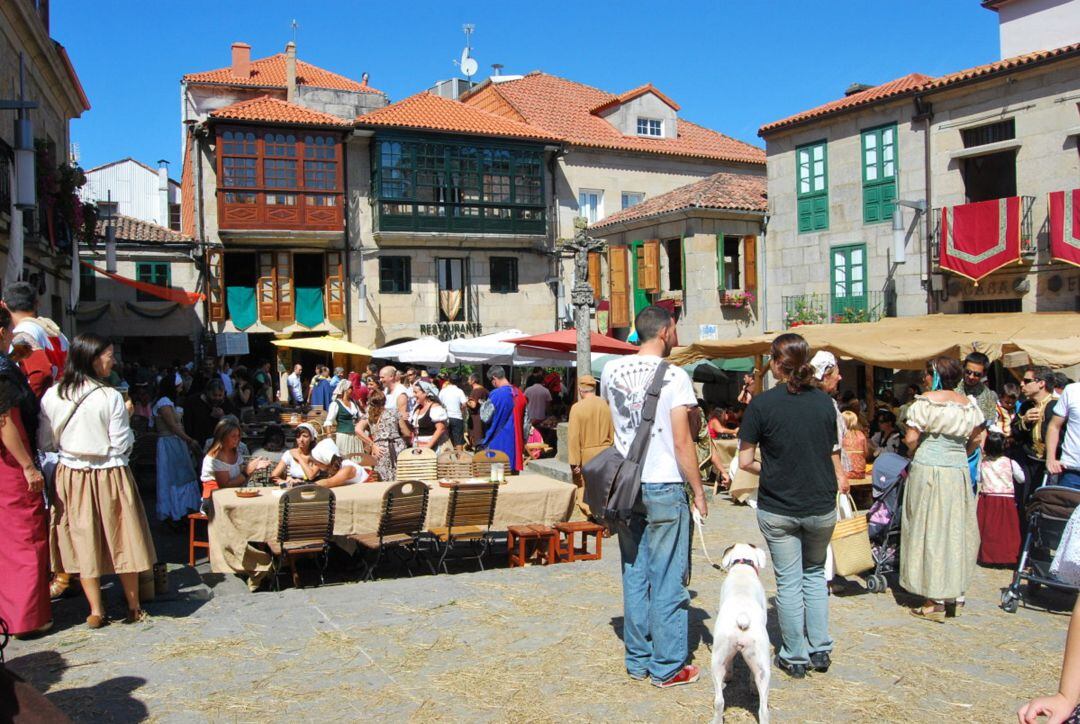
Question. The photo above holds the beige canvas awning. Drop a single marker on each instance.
(1044, 338)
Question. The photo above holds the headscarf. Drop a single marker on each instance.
(429, 389)
(310, 428)
(325, 452)
(822, 362)
(343, 389)
(554, 383)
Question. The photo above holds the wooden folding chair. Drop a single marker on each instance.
(454, 465)
(401, 522)
(484, 459)
(305, 525)
(469, 515)
(417, 463)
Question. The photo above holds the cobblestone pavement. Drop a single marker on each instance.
(534, 644)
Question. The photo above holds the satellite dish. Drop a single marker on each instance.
(469, 66)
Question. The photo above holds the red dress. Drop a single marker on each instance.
(24, 545)
(520, 403)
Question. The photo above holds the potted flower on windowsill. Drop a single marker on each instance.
(803, 313)
(737, 300)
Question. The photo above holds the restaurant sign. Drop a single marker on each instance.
(446, 331)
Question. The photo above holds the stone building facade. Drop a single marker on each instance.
(51, 82)
(837, 173)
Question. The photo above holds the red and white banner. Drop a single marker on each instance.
(980, 238)
(184, 299)
(1065, 226)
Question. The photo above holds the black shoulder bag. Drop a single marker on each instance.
(613, 482)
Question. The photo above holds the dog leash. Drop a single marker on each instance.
(700, 523)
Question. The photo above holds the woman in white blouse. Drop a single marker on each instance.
(296, 465)
(428, 419)
(102, 526)
(339, 470)
(225, 465)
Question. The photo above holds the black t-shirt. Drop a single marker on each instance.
(796, 435)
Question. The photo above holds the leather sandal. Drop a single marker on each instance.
(930, 612)
(136, 616)
(95, 621)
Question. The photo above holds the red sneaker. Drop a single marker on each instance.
(687, 675)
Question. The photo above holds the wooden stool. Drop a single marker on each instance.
(523, 541)
(569, 552)
(194, 543)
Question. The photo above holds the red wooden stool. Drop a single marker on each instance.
(569, 552)
(193, 542)
(525, 541)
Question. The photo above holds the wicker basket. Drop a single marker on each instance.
(851, 546)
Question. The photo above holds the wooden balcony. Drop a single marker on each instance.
(302, 214)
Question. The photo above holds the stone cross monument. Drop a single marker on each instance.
(582, 295)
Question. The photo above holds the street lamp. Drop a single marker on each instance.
(899, 231)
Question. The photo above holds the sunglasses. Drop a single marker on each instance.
(1027, 380)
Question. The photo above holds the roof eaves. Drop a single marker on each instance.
(808, 117)
(680, 212)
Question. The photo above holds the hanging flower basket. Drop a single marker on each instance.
(737, 300)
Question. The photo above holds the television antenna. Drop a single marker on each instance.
(294, 26)
(468, 65)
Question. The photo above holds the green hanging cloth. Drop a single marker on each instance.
(241, 301)
(309, 306)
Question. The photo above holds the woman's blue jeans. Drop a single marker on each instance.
(654, 545)
(798, 546)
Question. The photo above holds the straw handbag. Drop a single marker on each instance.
(851, 552)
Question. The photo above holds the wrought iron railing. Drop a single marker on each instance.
(802, 309)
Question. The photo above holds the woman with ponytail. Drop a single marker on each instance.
(939, 524)
(794, 426)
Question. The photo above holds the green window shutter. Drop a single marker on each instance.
(720, 277)
(879, 170)
(812, 186)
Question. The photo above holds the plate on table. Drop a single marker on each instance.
(248, 493)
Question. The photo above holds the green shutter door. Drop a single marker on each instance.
(848, 265)
(879, 174)
(720, 279)
(641, 297)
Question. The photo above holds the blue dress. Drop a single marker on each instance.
(501, 434)
(178, 490)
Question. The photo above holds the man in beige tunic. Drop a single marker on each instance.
(591, 431)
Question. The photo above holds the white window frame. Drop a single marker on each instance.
(584, 206)
(639, 195)
(648, 125)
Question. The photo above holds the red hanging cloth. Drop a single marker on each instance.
(1065, 226)
(184, 299)
(980, 238)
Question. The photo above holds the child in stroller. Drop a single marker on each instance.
(890, 472)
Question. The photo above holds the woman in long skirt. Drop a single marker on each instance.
(24, 535)
(178, 490)
(102, 527)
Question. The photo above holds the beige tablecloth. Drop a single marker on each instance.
(527, 498)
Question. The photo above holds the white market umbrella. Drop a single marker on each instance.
(413, 349)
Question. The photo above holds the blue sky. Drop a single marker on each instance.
(732, 66)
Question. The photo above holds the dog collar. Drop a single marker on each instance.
(744, 561)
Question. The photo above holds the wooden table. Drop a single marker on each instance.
(527, 498)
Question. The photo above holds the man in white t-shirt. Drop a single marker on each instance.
(539, 397)
(296, 385)
(656, 593)
(397, 396)
(1066, 414)
(453, 399)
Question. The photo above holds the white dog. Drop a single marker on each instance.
(740, 626)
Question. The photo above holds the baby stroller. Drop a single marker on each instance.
(890, 472)
(1048, 511)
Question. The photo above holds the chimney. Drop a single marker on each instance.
(241, 60)
(290, 72)
(856, 88)
(163, 191)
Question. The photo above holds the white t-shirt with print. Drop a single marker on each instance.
(624, 384)
(1068, 406)
(453, 399)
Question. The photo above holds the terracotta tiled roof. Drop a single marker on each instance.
(1005, 65)
(910, 83)
(270, 73)
(187, 189)
(129, 229)
(635, 93)
(565, 108)
(274, 110)
(740, 192)
(427, 111)
(917, 82)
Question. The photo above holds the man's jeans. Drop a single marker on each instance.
(654, 545)
(798, 547)
(1069, 478)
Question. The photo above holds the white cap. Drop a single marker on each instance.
(325, 452)
(822, 362)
